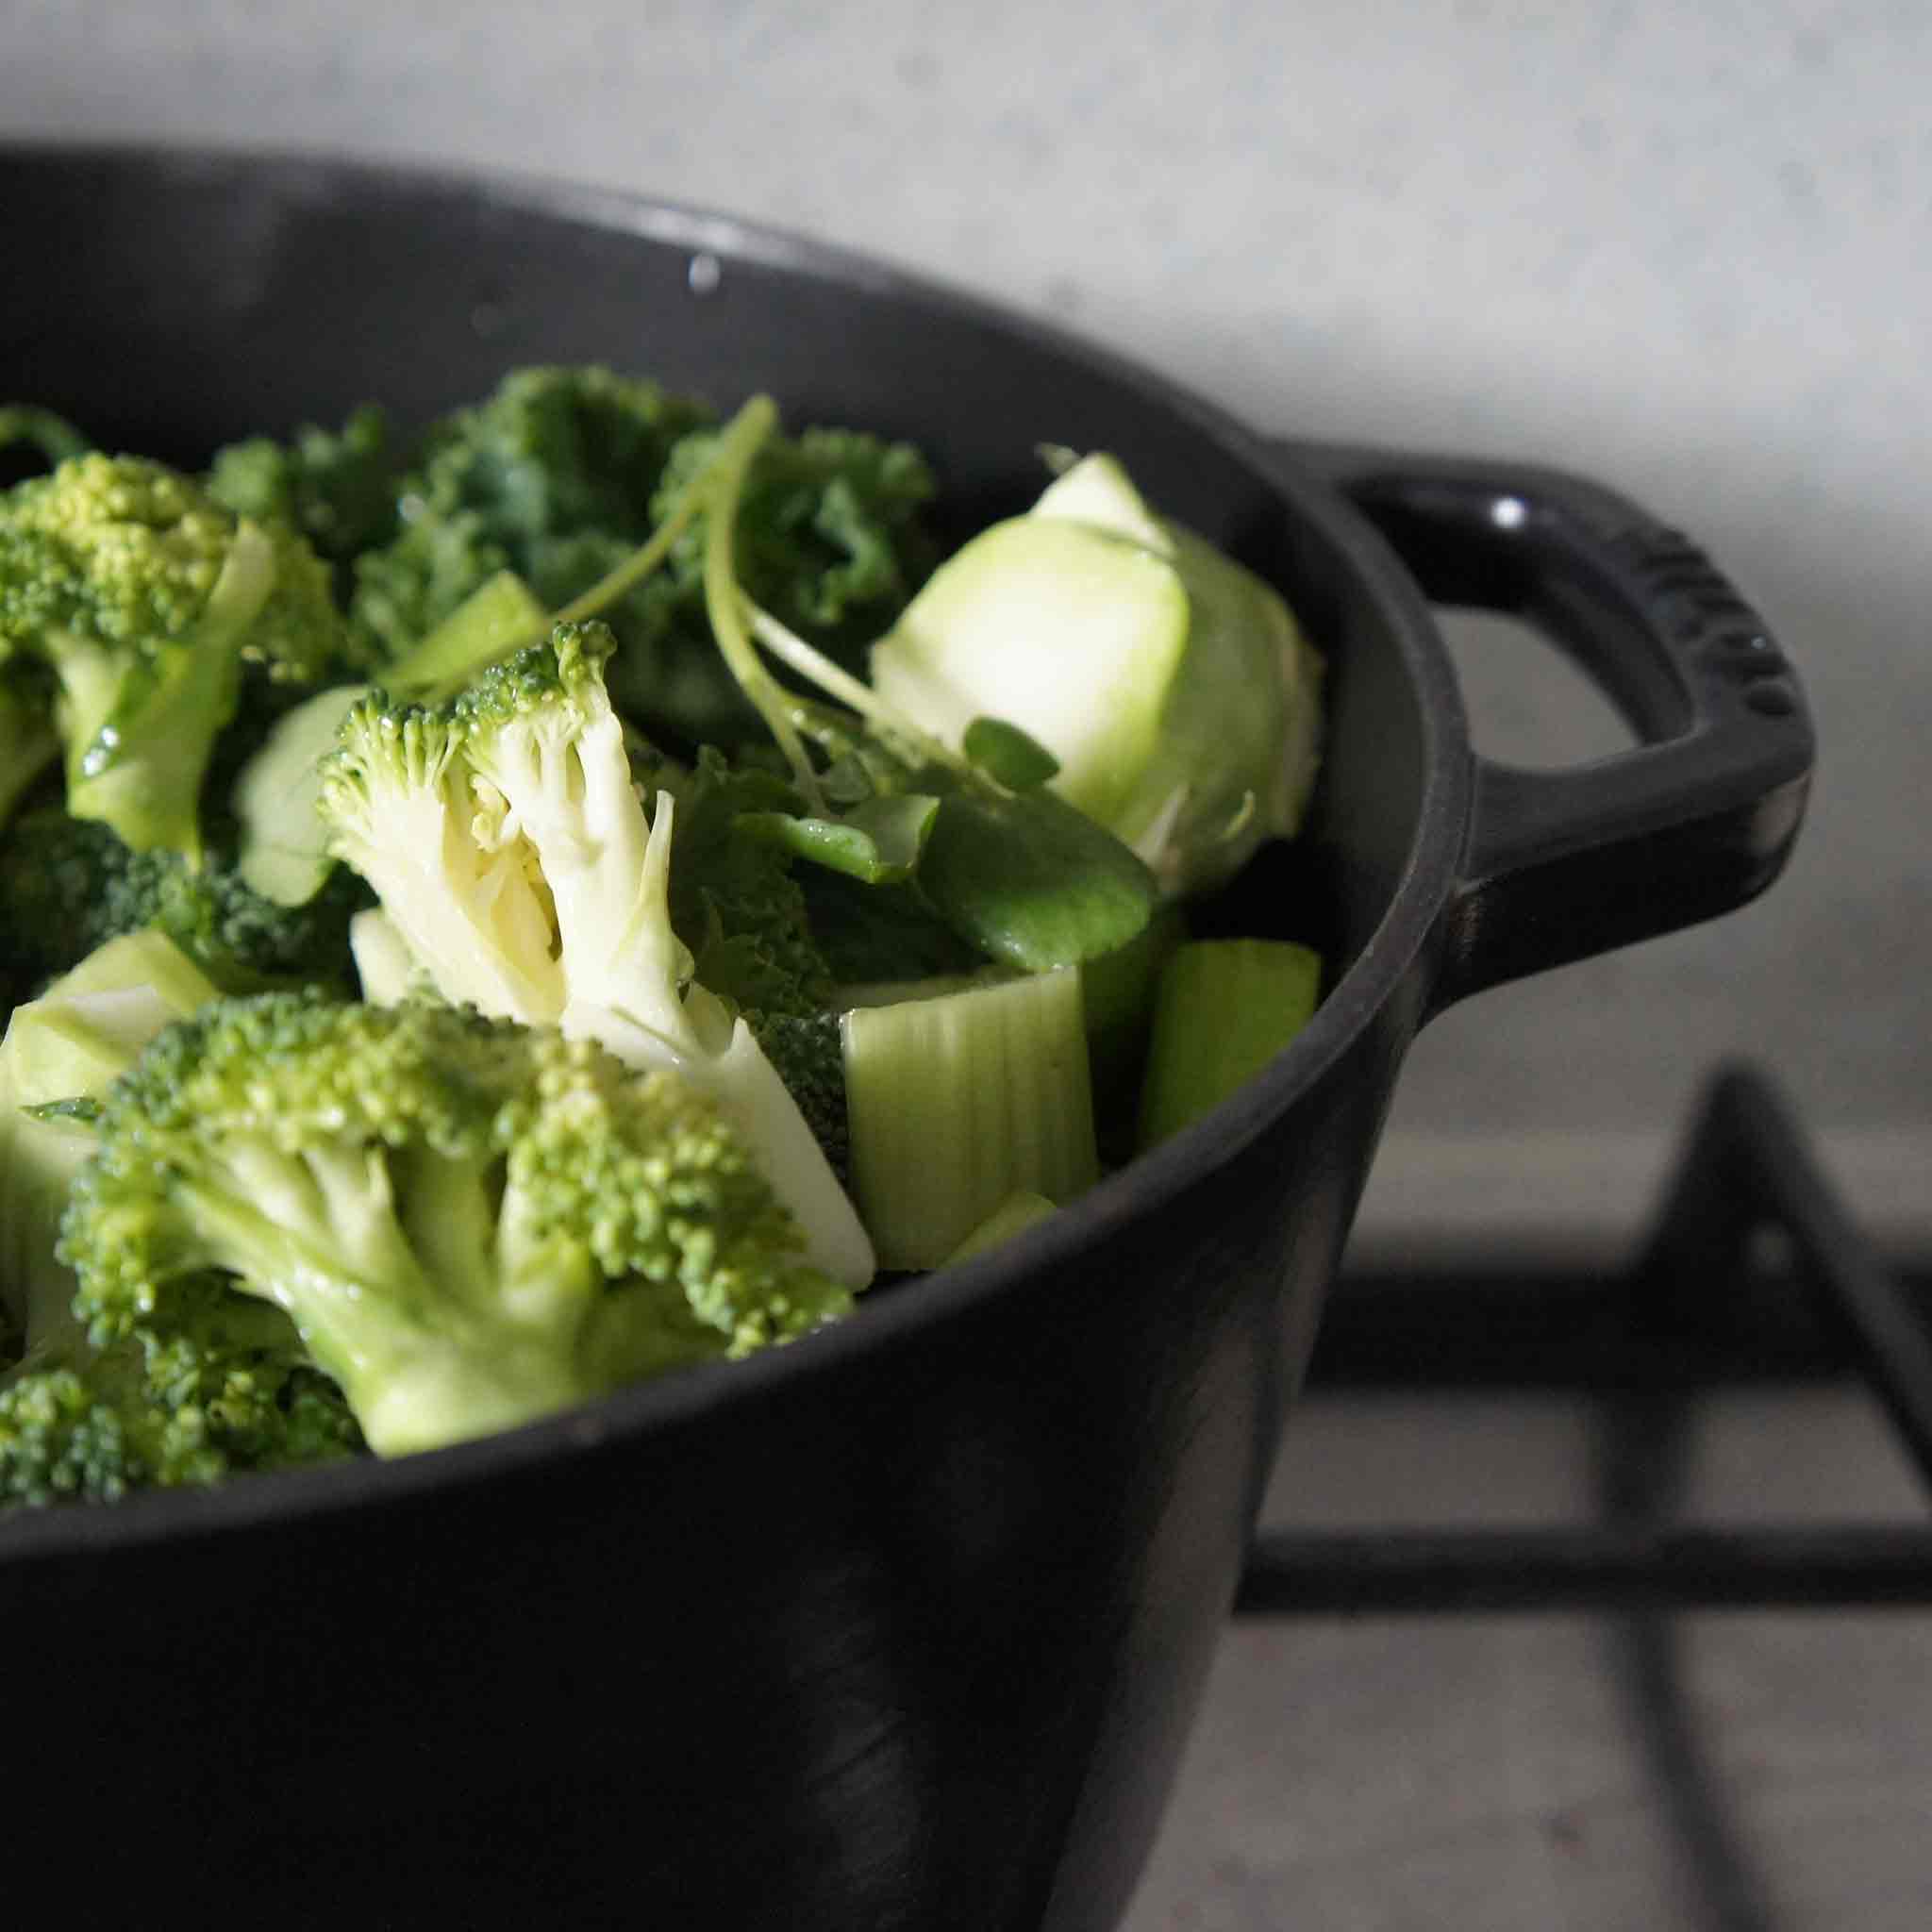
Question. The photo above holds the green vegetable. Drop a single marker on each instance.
(562, 474)
(507, 840)
(879, 935)
(825, 536)
(393, 713)
(220, 1387)
(1014, 1215)
(960, 1101)
(1225, 1007)
(276, 796)
(386, 970)
(129, 603)
(738, 909)
(1119, 991)
(52, 436)
(28, 745)
(224, 1390)
(72, 1043)
(336, 487)
(68, 885)
(472, 1222)
(1173, 687)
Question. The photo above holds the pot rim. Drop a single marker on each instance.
(698, 1395)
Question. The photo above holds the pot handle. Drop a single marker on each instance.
(1693, 821)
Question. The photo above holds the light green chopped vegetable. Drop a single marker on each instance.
(960, 1101)
(1014, 1215)
(1173, 687)
(1225, 1007)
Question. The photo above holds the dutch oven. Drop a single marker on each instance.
(903, 1626)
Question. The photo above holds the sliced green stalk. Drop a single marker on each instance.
(1014, 1215)
(1119, 989)
(501, 615)
(893, 993)
(1225, 1007)
(724, 602)
(958, 1103)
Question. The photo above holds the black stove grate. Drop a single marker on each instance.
(1755, 1271)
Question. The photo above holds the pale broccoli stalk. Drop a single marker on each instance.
(472, 1224)
(130, 602)
(505, 839)
(1174, 688)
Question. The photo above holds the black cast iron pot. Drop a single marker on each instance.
(902, 1626)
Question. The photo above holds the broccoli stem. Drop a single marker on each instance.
(136, 751)
(395, 1287)
(54, 436)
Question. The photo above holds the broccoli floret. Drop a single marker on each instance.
(69, 885)
(505, 839)
(222, 1385)
(130, 602)
(336, 486)
(807, 1053)
(472, 1222)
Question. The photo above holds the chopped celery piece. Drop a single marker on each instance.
(1015, 1214)
(1224, 1008)
(891, 992)
(958, 1102)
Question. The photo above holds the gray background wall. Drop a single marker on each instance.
(1686, 247)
